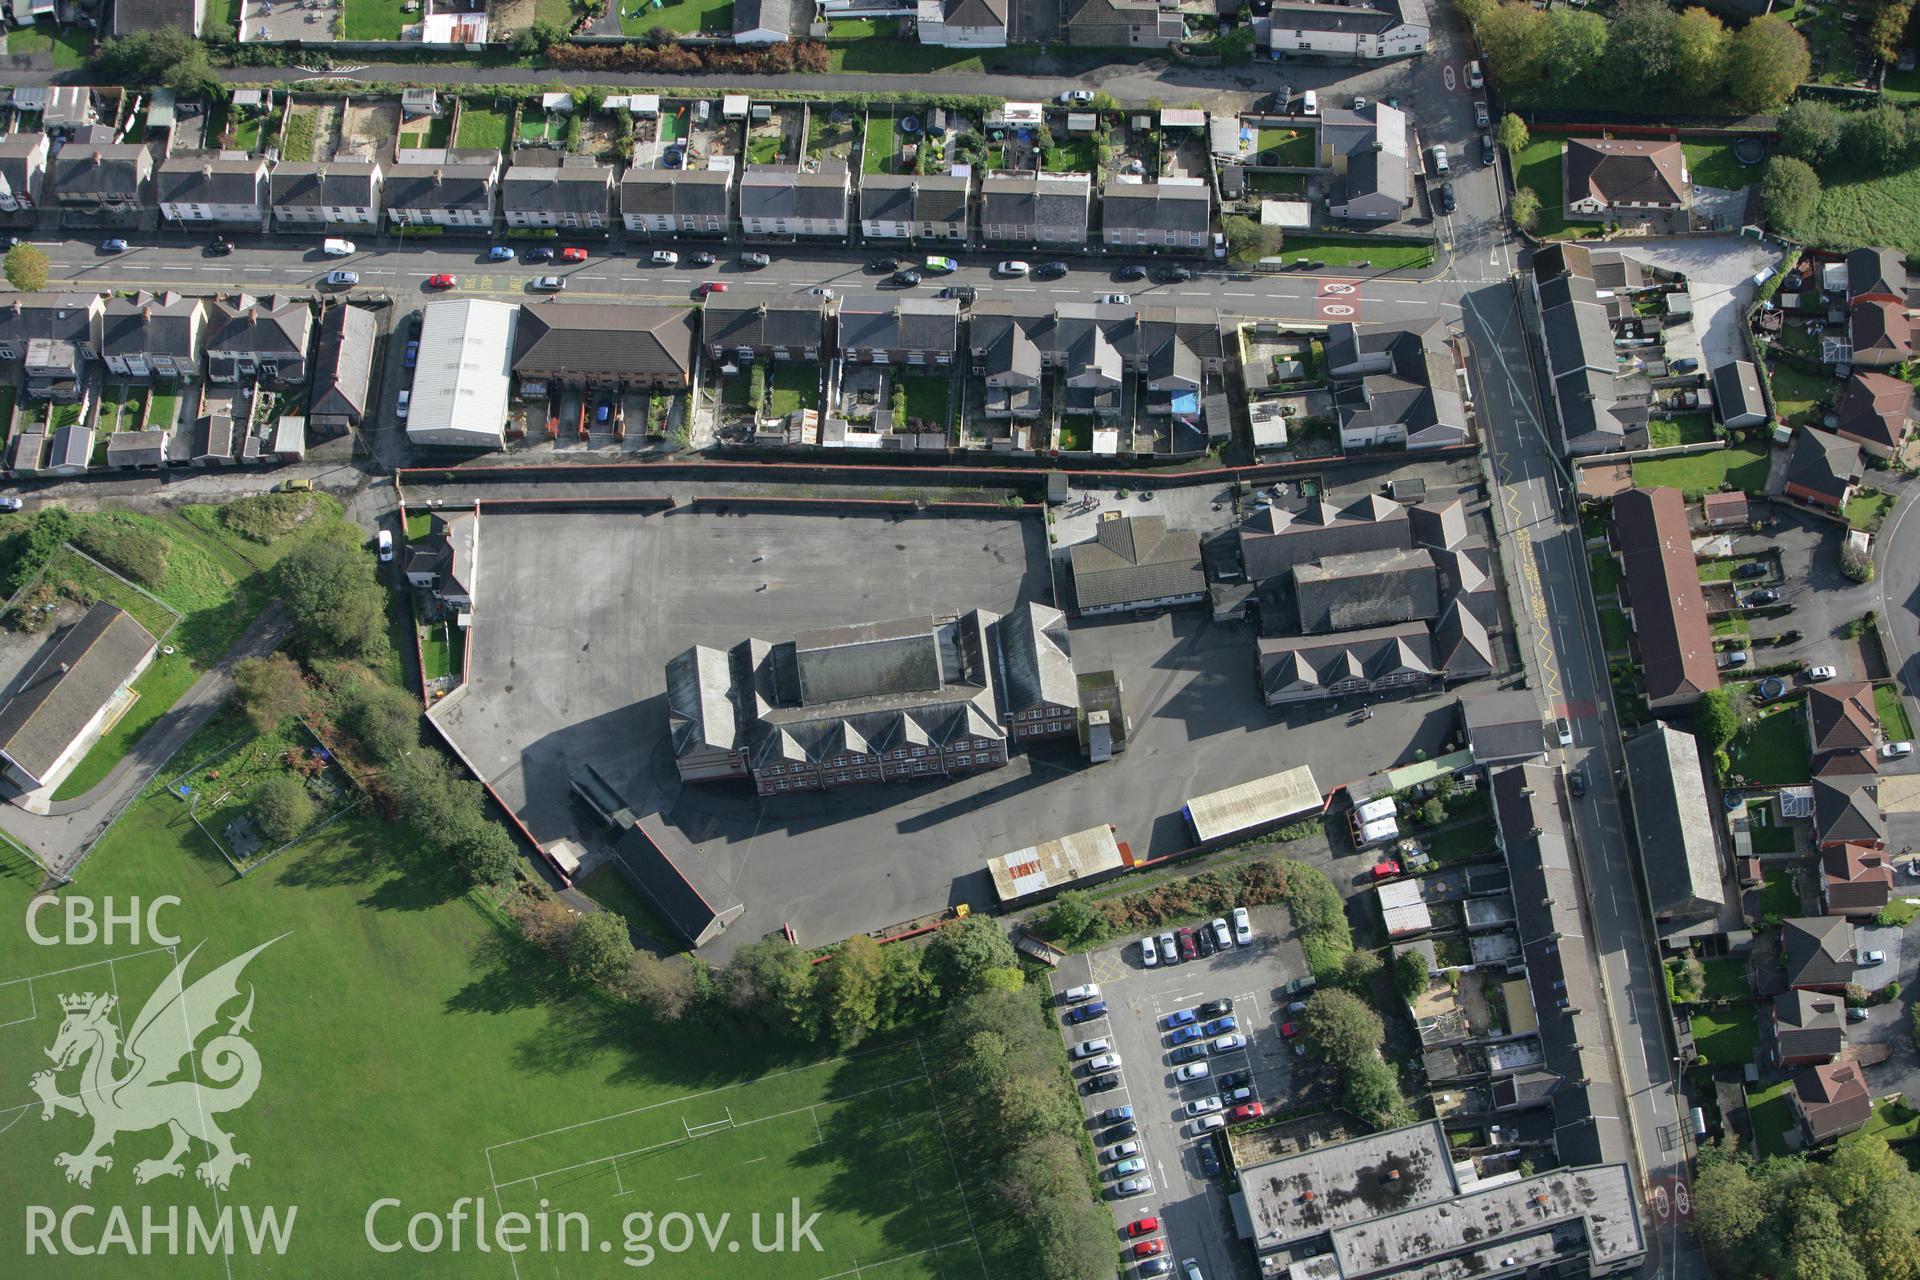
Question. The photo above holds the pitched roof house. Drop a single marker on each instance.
(1600, 405)
(962, 24)
(1737, 396)
(597, 343)
(1035, 208)
(1607, 176)
(1877, 275)
(1678, 847)
(878, 328)
(1313, 668)
(1872, 410)
(1664, 599)
(1173, 213)
(342, 371)
(686, 201)
(1831, 1100)
(578, 192)
(156, 335)
(1808, 1027)
(1841, 717)
(1819, 952)
(786, 200)
(1855, 880)
(259, 337)
(1880, 333)
(1274, 539)
(762, 21)
(338, 191)
(1371, 153)
(907, 206)
(786, 326)
(1396, 385)
(206, 188)
(23, 170)
(67, 697)
(1120, 24)
(1823, 469)
(1136, 563)
(457, 191)
(109, 177)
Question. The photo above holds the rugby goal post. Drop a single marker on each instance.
(711, 1126)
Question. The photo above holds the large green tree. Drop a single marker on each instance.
(1714, 720)
(770, 984)
(337, 605)
(383, 718)
(269, 690)
(27, 266)
(1640, 45)
(1810, 130)
(1409, 973)
(852, 983)
(1875, 139)
(1789, 193)
(1576, 47)
(964, 950)
(599, 949)
(1340, 1028)
(1514, 39)
(281, 808)
(1072, 917)
(664, 987)
(1766, 62)
(1514, 135)
(1700, 43)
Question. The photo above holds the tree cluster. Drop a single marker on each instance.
(773, 59)
(1854, 1216)
(1569, 54)
(1076, 917)
(338, 608)
(1342, 1031)
(269, 690)
(168, 56)
(1819, 139)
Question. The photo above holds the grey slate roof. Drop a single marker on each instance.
(61, 317)
(274, 326)
(584, 189)
(975, 13)
(876, 322)
(1273, 540)
(336, 184)
(1819, 951)
(136, 448)
(452, 185)
(1736, 390)
(683, 886)
(1134, 559)
(207, 179)
(1847, 809)
(345, 363)
(1322, 661)
(681, 193)
(83, 169)
(1808, 1024)
(762, 321)
(1502, 726)
(1823, 462)
(1156, 206)
(590, 339)
(1366, 589)
(1039, 670)
(787, 191)
(907, 197)
(152, 324)
(67, 687)
(1028, 200)
(700, 707)
(770, 15)
(130, 16)
(1676, 825)
(1375, 20)
(1876, 270)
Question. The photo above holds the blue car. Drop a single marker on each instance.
(1187, 1053)
(1220, 1026)
(1183, 1034)
(1088, 1012)
(413, 352)
(500, 253)
(1114, 1115)
(1180, 1018)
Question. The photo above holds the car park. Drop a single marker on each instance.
(1074, 995)
(1222, 936)
(500, 253)
(1191, 1072)
(1090, 1048)
(1203, 1106)
(1214, 1008)
(1149, 953)
(1088, 1012)
(1133, 1186)
(547, 284)
(1228, 1044)
(1101, 1084)
(1128, 1167)
(572, 254)
(1242, 927)
(1189, 1052)
(1205, 1125)
(1181, 1018)
(1105, 1062)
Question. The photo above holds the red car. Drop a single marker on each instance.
(1288, 1030)
(1144, 1227)
(573, 255)
(442, 282)
(1247, 1111)
(1189, 949)
(1381, 870)
(711, 286)
(1147, 1248)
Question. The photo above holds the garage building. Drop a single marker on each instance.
(465, 369)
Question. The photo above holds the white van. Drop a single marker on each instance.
(336, 248)
(1474, 79)
(1309, 103)
(1437, 160)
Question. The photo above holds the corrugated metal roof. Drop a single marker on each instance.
(1253, 804)
(460, 384)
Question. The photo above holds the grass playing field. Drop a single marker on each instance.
(411, 1050)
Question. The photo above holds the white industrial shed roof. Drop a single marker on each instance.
(465, 367)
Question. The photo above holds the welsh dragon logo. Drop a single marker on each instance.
(147, 1094)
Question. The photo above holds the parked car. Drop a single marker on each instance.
(548, 284)
(1228, 1044)
(1480, 117)
(1133, 1186)
(665, 258)
(1130, 1166)
(1116, 299)
(1114, 1115)
(1242, 927)
(1764, 596)
(1751, 569)
(1012, 267)
(1168, 951)
(1132, 271)
(1088, 1012)
(1191, 1072)
(1896, 750)
(1202, 936)
(939, 265)
(1181, 1018)
(1125, 1129)
(1189, 949)
(1817, 674)
(906, 279)
(1089, 1048)
(1385, 868)
(1486, 148)
(1105, 1062)
(1447, 202)
(708, 287)
(573, 254)
(1205, 1125)
(1685, 364)
(1577, 782)
(1149, 953)
(1234, 1081)
(442, 281)
(1076, 97)
(755, 260)
(1563, 730)
(1148, 1248)
(1050, 271)
(1220, 1026)
(410, 356)
(1209, 1167)
(500, 253)
(1074, 995)
(1288, 1030)
(11, 504)
(1857, 1015)
(332, 248)
(1173, 275)
(1733, 658)
(1187, 1052)
(341, 279)
(219, 247)
(1247, 1111)
(1186, 1034)
(1101, 1084)
(1222, 936)
(1155, 1267)
(1474, 79)
(1214, 1008)
(539, 253)
(1203, 1106)
(404, 403)
(1142, 1227)
(884, 264)
(701, 260)
(1870, 958)
(384, 541)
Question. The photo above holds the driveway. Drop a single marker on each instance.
(1719, 271)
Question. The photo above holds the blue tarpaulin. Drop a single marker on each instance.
(1186, 402)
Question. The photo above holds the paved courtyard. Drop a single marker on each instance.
(567, 669)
